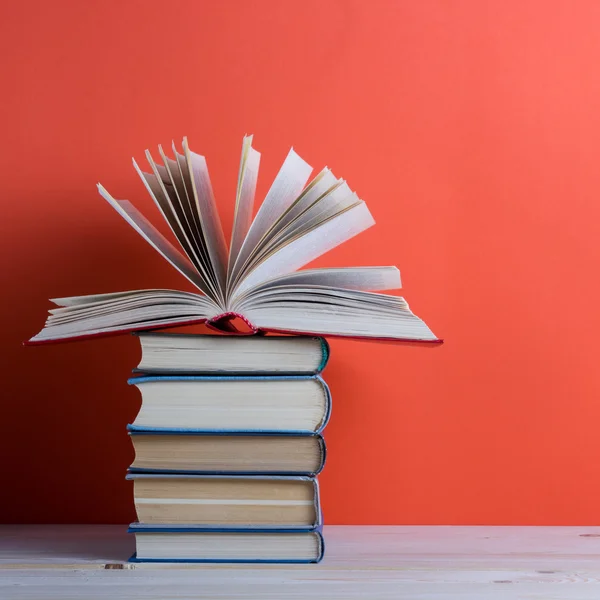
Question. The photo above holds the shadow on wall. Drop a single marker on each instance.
(66, 406)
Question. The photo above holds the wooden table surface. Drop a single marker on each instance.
(414, 563)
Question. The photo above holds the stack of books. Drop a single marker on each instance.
(228, 445)
(228, 440)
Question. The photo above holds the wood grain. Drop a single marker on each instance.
(417, 563)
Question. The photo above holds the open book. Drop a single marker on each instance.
(257, 279)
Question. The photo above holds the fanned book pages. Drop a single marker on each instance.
(257, 280)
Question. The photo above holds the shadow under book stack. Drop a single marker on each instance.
(228, 447)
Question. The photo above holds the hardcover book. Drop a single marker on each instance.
(227, 454)
(176, 353)
(260, 404)
(256, 281)
(222, 501)
(168, 545)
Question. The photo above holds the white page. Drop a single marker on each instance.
(209, 216)
(171, 169)
(332, 199)
(128, 319)
(178, 197)
(339, 198)
(244, 201)
(99, 311)
(321, 294)
(172, 209)
(325, 319)
(93, 303)
(286, 187)
(162, 172)
(188, 220)
(324, 183)
(73, 301)
(188, 198)
(174, 218)
(159, 195)
(310, 246)
(367, 279)
(156, 239)
(95, 313)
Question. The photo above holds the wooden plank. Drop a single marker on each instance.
(420, 563)
(54, 585)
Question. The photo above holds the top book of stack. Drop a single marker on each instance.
(184, 354)
(255, 282)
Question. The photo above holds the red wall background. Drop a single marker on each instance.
(471, 128)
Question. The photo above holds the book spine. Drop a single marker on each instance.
(325, 353)
(317, 504)
(319, 534)
(323, 446)
(328, 404)
(223, 324)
